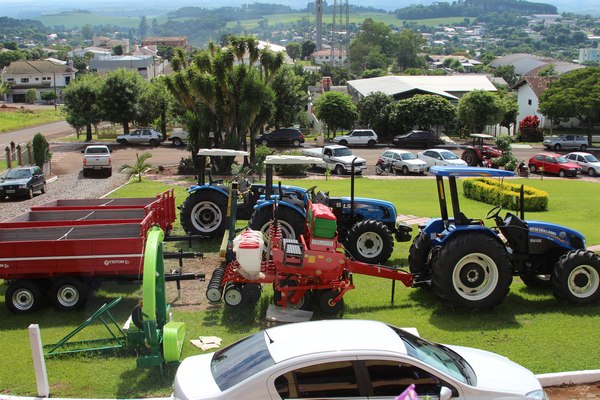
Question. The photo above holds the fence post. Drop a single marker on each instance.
(29, 155)
(12, 150)
(19, 156)
(39, 364)
(8, 155)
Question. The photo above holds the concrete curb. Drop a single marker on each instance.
(551, 379)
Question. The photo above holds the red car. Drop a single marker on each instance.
(553, 164)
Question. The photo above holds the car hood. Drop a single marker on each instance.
(496, 372)
(570, 165)
(194, 379)
(348, 159)
(457, 163)
(416, 161)
(6, 182)
(338, 138)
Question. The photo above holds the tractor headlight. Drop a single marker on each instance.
(537, 395)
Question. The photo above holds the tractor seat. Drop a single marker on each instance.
(516, 232)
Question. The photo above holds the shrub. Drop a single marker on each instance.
(529, 129)
(186, 167)
(504, 194)
(261, 154)
(41, 150)
(31, 96)
(292, 169)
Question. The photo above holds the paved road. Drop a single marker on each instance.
(50, 131)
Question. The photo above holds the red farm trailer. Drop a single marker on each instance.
(62, 248)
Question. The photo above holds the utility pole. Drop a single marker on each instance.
(319, 23)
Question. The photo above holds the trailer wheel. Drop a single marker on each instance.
(23, 297)
(576, 277)
(370, 241)
(203, 213)
(68, 294)
(233, 295)
(290, 221)
(305, 302)
(326, 302)
(536, 281)
(418, 256)
(472, 271)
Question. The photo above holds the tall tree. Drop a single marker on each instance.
(291, 97)
(120, 95)
(479, 108)
(574, 94)
(407, 45)
(294, 50)
(427, 110)
(372, 112)
(337, 111)
(143, 28)
(81, 99)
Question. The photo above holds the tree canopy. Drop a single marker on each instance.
(337, 111)
(479, 108)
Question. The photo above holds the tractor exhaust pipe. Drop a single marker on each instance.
(352, 190)
(522, 202)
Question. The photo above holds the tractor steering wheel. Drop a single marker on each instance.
(493, 213)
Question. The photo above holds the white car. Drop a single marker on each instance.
(588, 162)
(351, 359)
(441, 157)
(404, 161)
(357, 137)
(563, 142)
(141, 136)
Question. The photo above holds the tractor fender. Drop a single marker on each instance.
(195, 188)
(281, 203)
(454, 230)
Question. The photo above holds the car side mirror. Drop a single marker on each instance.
(445, 393)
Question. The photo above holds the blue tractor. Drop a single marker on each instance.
(471, 266)
(366, 227)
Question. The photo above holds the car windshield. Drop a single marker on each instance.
(438, 356)
(448, 155)
(18, 174)
(561, 160)
(342, 152)
(408, 156)
(590, 158)
(239, 361)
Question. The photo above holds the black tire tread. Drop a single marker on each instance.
(261, 216)
(370, 225)
(563, 268)
(185, 215)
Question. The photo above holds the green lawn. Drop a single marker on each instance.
(71, 20)
(530, 326)
(13, 120)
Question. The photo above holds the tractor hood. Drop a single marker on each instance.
(566, 236)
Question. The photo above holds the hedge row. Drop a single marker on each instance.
(504, 194)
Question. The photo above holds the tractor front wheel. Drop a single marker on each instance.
(472, 271)
(576, 277)
(290, 221)
(370, 241)
(203, 213)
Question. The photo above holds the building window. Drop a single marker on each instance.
(24, 80)
(529, 102)
(10, 79)
(37, 79)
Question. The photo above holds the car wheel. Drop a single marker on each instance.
(576, 277)
(339, 170)
(153, 142)
(557, 147)
(343, 142)
(30, 193)
(583, 147)
(44, 188)
(532, 168)
(296, 143)
(591, 172)
(561, 173)
(404, 170)
(177, 142)
(123, 142)
(109, 173)
(371, 143)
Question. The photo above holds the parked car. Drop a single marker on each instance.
(142, 136)
(97, 158)
(178, 138)
(565, 142)
(357, 137)
(350, 359)
(22, 182)
(337, 159)
(586, 161)
(404, 161)
(553, 164)
(417, 139)
(440, 157)
(281, 137)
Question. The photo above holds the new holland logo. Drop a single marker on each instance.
(112, 262)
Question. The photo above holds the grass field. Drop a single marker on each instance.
(530, 327)
(71, 20)
(12, 120)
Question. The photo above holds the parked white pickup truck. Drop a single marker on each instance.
(338, 158)
(97, 158)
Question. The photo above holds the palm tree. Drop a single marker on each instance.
(139, 167)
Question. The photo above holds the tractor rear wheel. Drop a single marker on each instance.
(290, 221)
(203, 213)
(470, 157)
(68, 294)
(472, 271)
(370, 241)
(23, 296)
(576, 277)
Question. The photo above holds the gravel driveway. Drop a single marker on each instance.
(68, 186)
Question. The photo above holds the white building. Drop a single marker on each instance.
(147, 67)
(587, 56)
(41, 75)
(337, 57)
